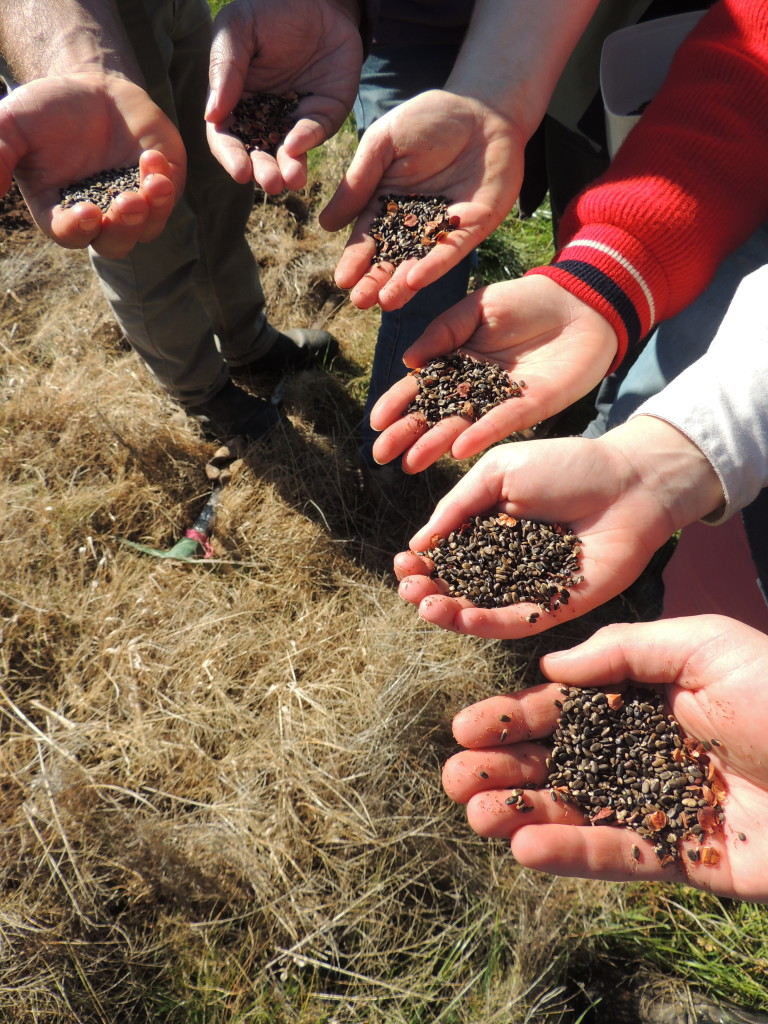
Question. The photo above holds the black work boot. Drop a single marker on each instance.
(232, 412)
(294, 349)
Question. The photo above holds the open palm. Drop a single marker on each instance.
(712, 670)
(589, 485)
(438, 143)
(535, 330)
(278, 46)
(56, 131)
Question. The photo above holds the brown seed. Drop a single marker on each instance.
(408, 226)
(709, 855)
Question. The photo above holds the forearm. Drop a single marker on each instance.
(514, 52)
(45, 38)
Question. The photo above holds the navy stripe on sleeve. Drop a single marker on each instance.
(609, 290)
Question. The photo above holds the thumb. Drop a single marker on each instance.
(647, 652)
(228, 65)
(12, 149)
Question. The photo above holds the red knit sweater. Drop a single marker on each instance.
(687, 187)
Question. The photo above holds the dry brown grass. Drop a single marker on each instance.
(220, 783)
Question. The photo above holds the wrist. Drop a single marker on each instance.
(667, 464)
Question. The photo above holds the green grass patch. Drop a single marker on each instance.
(517, 245)
(718, 946)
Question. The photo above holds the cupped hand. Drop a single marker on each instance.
(712, 670)
(56, 131)
(535, 330)
(589, 485)
(311, 47)
(438, 143)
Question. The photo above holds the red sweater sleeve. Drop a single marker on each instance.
(687, 187)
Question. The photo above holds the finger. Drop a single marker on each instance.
(612, 854)
(354, 261)
(409, 563)
(652, 652)
(317, 119)
(266, 172)
(366, 292)
(489, 814)
(460, 616)
(293, 169)
(230, 152)
(541, 398)
(447, 332)
(479, 490)
(398, 438)
(393, 403)
(229, 58)
(498, 425)
(75, 227)
(433, 444)
(443, 256)
(159, 192)
(354, 195)
(395, 292)
(306, 134)
(525, 715)
(9, 157)
(475, 771)
(122, 225)
(416, 588)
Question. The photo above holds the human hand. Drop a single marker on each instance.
(311, 47)
(623, 495)
(712, 671)
(56, 131)
(438, 143)
(536, 331)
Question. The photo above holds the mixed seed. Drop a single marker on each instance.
(409, 226)
(500, 561)
(622, 760)
(100, 188)
(262, 121)
(457, 385)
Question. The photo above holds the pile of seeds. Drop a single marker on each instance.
(624, 761)
(409, 226)
(262, 121)
(501, 561)
(457, 385)
(101, 188)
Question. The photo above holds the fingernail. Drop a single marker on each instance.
(161, 200)
(556, 655)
